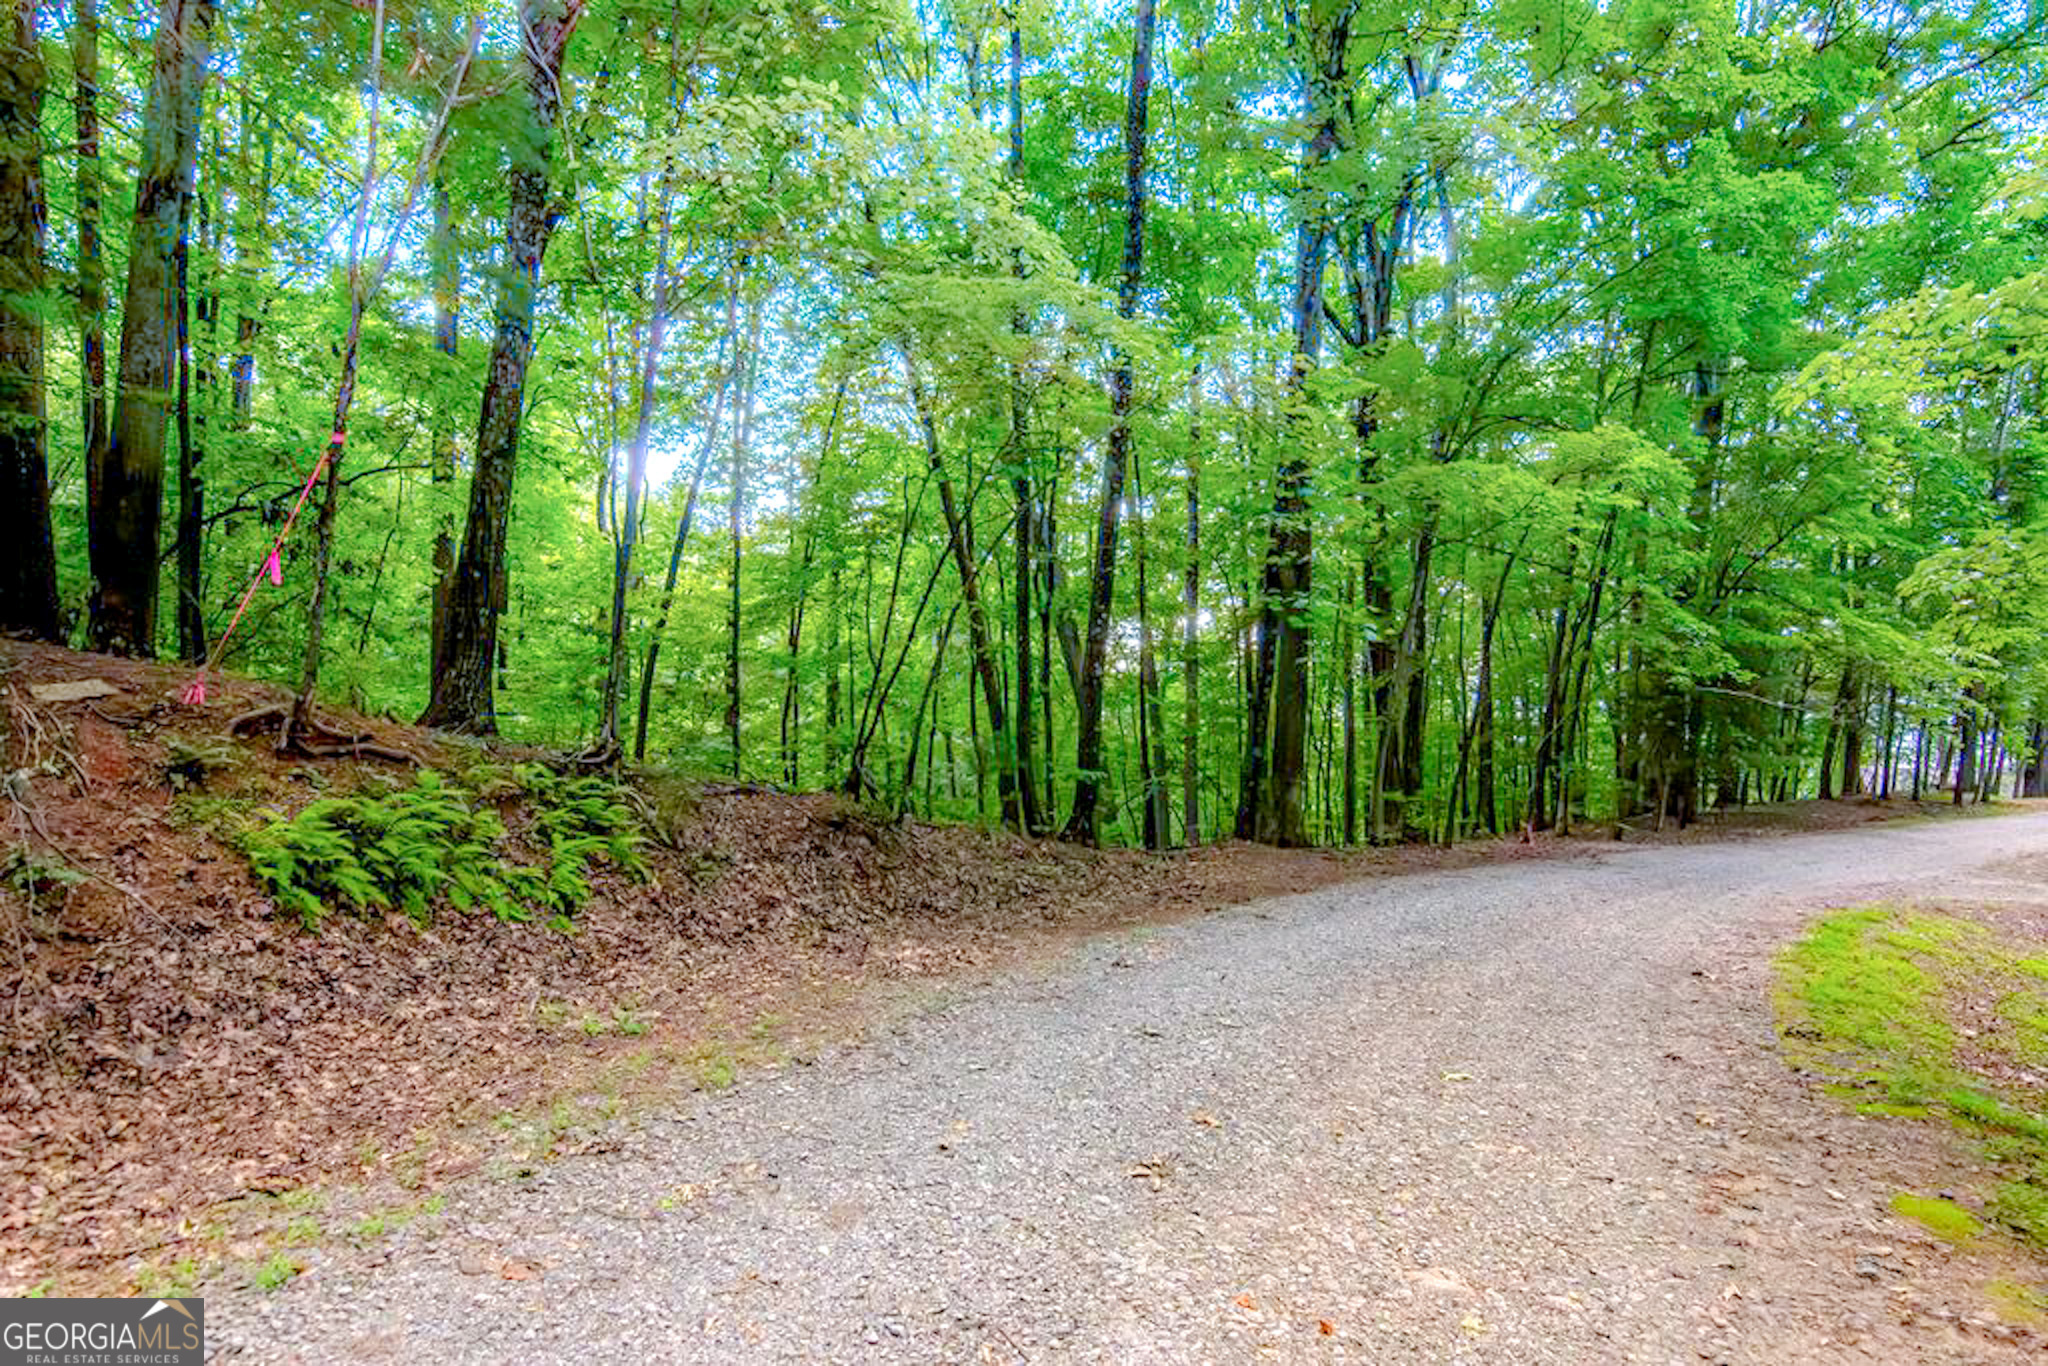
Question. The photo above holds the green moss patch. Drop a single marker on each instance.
(1915, 1015)
(1943, 1218)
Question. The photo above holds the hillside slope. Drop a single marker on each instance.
(173, 1043)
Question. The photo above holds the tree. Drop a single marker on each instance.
(28, 583)
(463, 697)
(126, 510)
(1082, 820)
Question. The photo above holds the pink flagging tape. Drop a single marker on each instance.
(271, 568)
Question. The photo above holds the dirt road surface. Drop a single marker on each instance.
(1528, 1113)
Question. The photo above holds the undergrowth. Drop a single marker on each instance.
(1919, 1015)
(438, 841)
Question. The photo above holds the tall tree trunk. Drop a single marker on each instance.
(1852, 735)
(92, 266)
(627, 534)
(191, 488)
(28, 567)
(1891, 742)
(446, 263)
(1191, 638)
(1025, 532)
(300, 724)
(1284, 622)
(1400, 736)
(742, 437)
(1151, 724)
(832, 677)
(1083, 821)
(252, 257)
(300, 729)
(125, 513)
(727, 373)
(463, 695)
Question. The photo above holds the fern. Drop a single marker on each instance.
(432, 843)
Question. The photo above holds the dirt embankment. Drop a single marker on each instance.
(173, 1044)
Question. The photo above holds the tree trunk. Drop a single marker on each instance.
(1191, 655)
(926, 703)
(742, 436)
(627, 533)
(1284, 623)
(28, 569)
(446, 264)
(463, 693)
(191, 487)
(1966, 749)
(1151, 723)
(125, 513)
(1082, 821)
(1401, 734)
(1025, 532)
(1891, 741)
(92, 266)
(959, 540)
(726, 374)
(832, 683)
(252, 255)
(1852, 735)
(2034, 772)
(1919, 761)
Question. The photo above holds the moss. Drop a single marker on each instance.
(1943, 1218)
(274, 1272)
(2022, 1206)
(1854, 981)
(2021, 1304)
(1872, 1000)
(1894, 1110)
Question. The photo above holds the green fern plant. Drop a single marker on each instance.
(434, 842)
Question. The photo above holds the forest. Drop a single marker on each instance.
(1322, 422)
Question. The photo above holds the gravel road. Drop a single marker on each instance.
(1520, 1113)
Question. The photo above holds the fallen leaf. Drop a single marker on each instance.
(1474, 1325)
(1326, 1328)
(1206, 1120)
(1245, 1302)
(1457, 1076)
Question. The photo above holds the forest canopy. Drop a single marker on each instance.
(1320, 422)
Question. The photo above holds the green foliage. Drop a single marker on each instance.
(1702, 420)
(40, 881)
(415, 847)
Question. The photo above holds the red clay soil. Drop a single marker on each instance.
(173, 1043)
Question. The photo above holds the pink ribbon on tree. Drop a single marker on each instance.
(271, 568)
